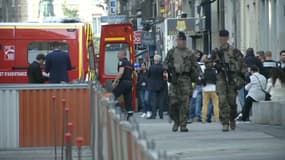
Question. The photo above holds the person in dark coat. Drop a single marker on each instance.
(35, 71)
(58, 64)
(155, 86)
(251, 59)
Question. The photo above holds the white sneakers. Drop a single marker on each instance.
(146, 115)
(143, 115)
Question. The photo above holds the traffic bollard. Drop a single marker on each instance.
(63, 125)
(54, 124)
(70, 130)
(79, 141)
(67, 146)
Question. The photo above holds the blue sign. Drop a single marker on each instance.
(114, 19)
(147, 38)
(113, 7)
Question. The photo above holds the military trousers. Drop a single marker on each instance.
(178, 106)
(227, 104)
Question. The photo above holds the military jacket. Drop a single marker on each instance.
(182, 67)
(234, 66)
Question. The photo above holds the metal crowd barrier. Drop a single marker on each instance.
(112, 136)
(115, 138)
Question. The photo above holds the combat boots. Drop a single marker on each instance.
(184, 129)
(233, 125)
(175, 127)
(225, 128)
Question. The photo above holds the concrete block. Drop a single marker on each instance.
(269, 112)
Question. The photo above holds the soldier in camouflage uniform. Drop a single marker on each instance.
(231, 77)
(183, 69)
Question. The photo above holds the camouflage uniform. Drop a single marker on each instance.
(183, 69)
(227, 91)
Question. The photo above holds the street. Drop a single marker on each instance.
(208, 142)
(202, 142)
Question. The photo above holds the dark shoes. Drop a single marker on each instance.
(184, 129)
(233, 125)
(129, 116)
(175, 128)
(225, 128)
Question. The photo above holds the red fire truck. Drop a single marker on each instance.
(20, 44)
(114, 38)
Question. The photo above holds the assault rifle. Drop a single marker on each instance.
(221, 65)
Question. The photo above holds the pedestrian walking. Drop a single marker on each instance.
(195, 105)
(209, 92)
(156, 87)
(122, 85)
(142, 84)
(184, 69)
(230, 78)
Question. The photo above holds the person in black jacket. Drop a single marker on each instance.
(35, 71)
(122, 85)
(251, 60)
(156, 87)
(143, 90)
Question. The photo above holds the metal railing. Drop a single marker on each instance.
(112, 136)
(115, 138)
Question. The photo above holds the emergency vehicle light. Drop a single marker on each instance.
(115, 39)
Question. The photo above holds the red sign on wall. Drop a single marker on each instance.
(137, 37)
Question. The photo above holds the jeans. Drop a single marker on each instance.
(196, 104)
(157, 101)
(242, 94)
(144, 97)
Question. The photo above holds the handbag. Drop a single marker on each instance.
(267, 94)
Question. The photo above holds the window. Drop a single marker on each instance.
(36, 48)
(111, 59)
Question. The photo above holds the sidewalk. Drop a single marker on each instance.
(208, 142)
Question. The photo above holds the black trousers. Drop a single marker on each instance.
(157, 101)
(125, 88)
(247, 107)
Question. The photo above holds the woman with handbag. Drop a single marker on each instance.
(256, 92)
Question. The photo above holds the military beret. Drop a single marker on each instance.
(181, 36)
(224, 33)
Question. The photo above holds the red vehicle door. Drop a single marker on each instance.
(7, 53)
(114, 38)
